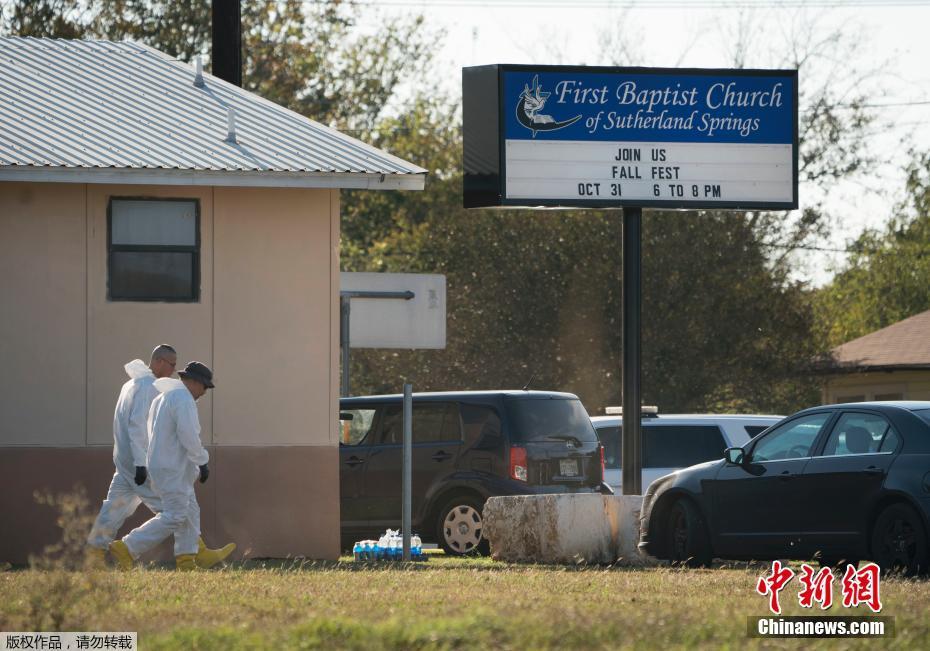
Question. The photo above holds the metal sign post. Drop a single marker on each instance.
(407, 470)
(630, 138)
(632, 438)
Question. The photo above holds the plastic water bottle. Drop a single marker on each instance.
(415, 547)
(357, 551)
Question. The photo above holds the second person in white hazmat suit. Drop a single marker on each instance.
(129, 488)
(176, 458)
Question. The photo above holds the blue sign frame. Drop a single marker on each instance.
(585, 104)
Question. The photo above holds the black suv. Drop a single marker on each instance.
(467, 447)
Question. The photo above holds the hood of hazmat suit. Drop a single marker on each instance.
(130, 419)
(166, 384)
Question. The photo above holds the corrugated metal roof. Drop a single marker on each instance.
(89, 110)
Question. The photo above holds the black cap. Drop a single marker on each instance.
(199, 372)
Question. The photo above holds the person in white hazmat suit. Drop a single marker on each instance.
(175, 459)
(129, 488)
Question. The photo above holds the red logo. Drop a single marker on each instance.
(774, 584)
(817, 587)
(859, 586)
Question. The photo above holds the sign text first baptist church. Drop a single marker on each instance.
(608, 137)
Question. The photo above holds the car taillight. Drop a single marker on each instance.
(603, 467)
(518, 463)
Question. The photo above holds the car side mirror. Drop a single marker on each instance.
(736, 456)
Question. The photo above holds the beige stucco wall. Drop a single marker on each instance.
(275, 332)
(913, 385)
(266, 322)
(120, 331)
(43, 314)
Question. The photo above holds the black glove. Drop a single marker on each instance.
(204, 473)
(141, 475)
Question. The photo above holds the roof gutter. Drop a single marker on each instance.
(220, 178)
(849, 369)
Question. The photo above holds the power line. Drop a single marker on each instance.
(650, 4)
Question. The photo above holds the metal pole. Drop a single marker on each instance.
(345, 306)
(407, 470)
(227, 40)
(632, 348)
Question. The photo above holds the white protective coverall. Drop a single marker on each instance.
(174, 456)
(130, 445)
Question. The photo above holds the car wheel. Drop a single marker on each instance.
(688, 543)
(461, 527)
(899, 543)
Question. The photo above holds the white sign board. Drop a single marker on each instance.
(395, 322)
(612, 137)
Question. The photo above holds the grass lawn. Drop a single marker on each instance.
(446, 603)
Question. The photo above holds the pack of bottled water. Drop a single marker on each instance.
(389, 547)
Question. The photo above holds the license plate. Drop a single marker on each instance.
(568, 467)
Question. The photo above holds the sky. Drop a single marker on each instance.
(887, 47)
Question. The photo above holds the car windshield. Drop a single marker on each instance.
(549, 419)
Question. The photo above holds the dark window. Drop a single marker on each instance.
(890, 442)
(857, 434)
(888, 397)
(610, 439)
(154, 250)
(855, 398)
(755, 430)
(481, 424)
(680, 446)
(549, 419)
(432, 422)
(667, 446)
(793, 440)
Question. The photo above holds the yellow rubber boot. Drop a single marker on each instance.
(207, 558)
(185, 562)
(120, 553)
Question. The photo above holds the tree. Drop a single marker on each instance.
(534, 296)
(42, 18)
(887, 275)
(835, 117)
(309, 56)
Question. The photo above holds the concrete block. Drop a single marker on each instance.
(564, 528)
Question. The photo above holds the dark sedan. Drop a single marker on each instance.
(837, 483)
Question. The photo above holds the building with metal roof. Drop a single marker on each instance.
(143, 202)
(115, 112)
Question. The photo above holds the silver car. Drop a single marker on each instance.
(676, 441)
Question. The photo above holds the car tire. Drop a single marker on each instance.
(460, 526)
(899, 542)
(688, 543)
